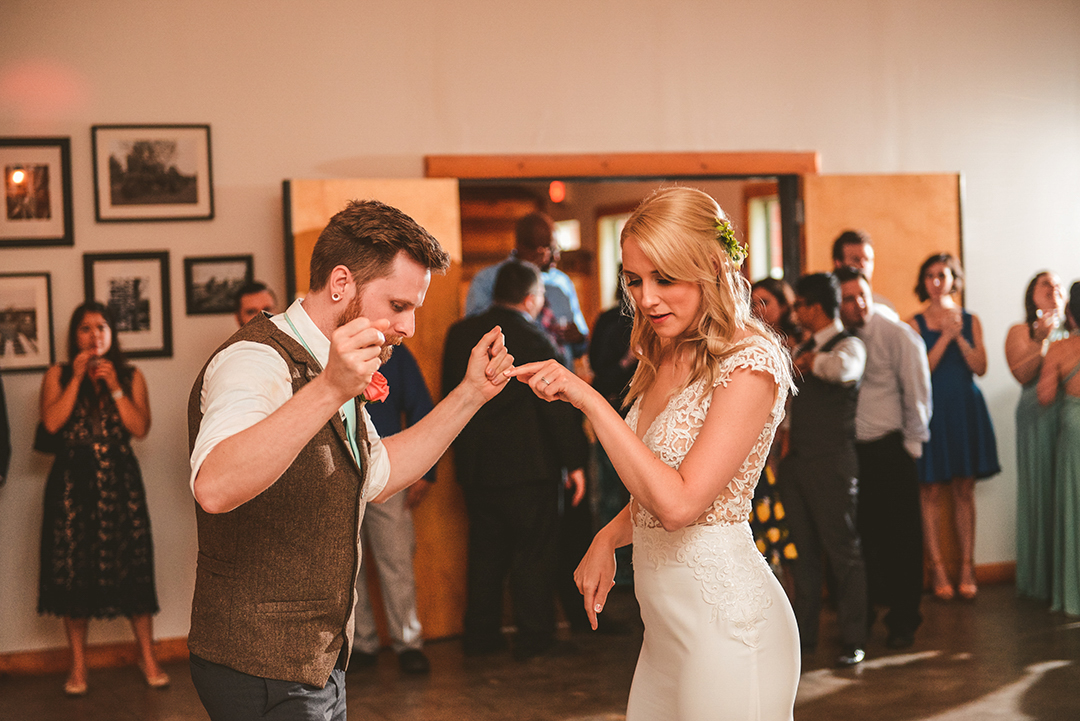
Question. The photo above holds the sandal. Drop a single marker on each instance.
(75, 688)
(968, 588)
(158, 680)
(943, 589)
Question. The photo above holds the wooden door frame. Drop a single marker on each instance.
(623, 165)
(788, 167)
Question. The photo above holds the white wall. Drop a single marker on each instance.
(338, 88)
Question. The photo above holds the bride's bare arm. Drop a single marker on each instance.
(675, 497)
(595, 575)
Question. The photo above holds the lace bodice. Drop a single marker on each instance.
(673, 432)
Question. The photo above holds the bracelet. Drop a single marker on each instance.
(118, 394)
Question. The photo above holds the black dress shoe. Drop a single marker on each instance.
(483, 646)
(851, 657)
(363, 659)
(552, 649)
(900, 639)
(413, 660)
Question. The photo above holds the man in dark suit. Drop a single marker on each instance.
(510, 459)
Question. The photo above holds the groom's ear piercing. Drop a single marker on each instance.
(335, 297)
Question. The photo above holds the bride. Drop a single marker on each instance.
(720, 636)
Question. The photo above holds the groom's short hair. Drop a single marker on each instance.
(366, 237)
(516, 281)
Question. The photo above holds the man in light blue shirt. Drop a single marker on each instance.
(561, 317)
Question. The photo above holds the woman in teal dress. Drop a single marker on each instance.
(1061, 370)
(1036, 433)
(962, 447)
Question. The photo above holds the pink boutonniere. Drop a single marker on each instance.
(378, 389)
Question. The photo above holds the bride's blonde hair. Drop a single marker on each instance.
(676, 228)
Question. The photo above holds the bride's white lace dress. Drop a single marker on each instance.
(721, 640)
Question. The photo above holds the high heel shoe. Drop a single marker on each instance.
(943, 589)
(158, 680)
(968, 588)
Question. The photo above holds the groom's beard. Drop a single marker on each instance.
(354, 310)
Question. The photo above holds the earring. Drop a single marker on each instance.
(336, 297)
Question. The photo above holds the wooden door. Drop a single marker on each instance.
(441, 526)
(909, 218)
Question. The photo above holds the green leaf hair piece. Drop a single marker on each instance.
(726, 235)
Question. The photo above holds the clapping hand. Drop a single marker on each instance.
(1045, 322)
(953, 324)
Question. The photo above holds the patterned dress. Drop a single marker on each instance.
(97, 558)
(721, 639)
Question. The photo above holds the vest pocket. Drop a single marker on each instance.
(308, 606)
(215, 566)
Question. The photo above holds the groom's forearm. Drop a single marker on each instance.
(415, 450)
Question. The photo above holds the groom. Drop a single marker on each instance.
(284, 459)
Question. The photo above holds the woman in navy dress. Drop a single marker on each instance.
(962, 447)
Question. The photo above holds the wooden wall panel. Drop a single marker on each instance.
(441, 525)
(909, 217)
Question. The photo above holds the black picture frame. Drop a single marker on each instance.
(135, 287)
(26, 322)
(37, 207)
(173, 179)
(212, 281)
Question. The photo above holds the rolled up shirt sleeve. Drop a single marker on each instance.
(244, 384)
(843, 364)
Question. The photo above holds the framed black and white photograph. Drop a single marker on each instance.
(212, 282)
(135, 287)
(152, 172)
(37, 192)
(26, 326)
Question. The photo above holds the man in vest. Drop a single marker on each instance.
(284, 459)
(818, 477)
(891, 423)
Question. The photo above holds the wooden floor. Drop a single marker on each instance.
(998, 659)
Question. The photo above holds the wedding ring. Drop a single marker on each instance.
(545, 380)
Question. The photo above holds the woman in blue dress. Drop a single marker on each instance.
(1060, 382)
(962, 447)
(1036, 432)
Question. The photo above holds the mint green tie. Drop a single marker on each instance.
(347, 411)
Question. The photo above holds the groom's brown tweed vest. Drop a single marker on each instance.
(274, 588)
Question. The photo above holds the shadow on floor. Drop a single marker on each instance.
(997, 659)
